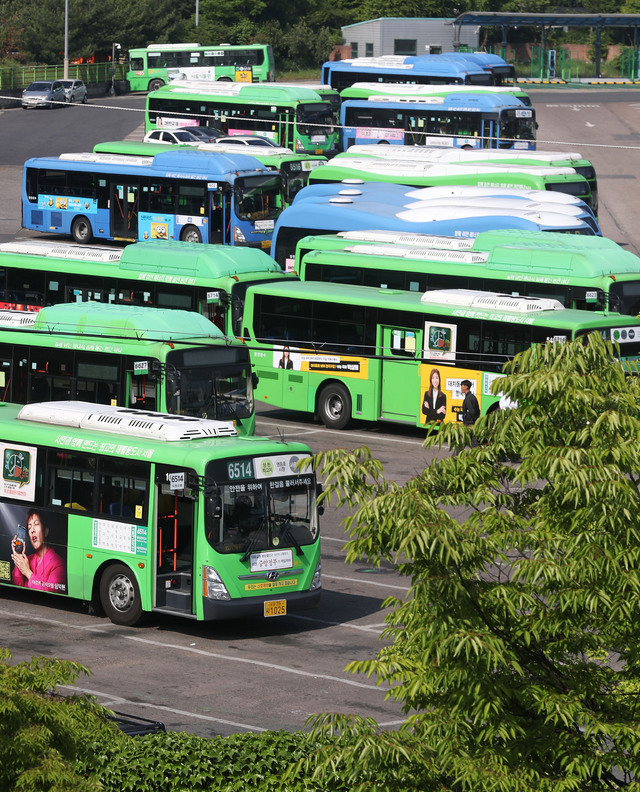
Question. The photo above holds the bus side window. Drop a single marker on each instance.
(71, 480)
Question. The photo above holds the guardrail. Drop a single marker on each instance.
(18, 77)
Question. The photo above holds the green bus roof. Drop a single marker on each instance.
(166, 261)
(425, 174)
(451, 303)
(192, 453)
(256, 93)
(270, 156)
(531, 264)
(133, 323)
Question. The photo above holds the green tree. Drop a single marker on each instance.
(516, 653)
(41, 735)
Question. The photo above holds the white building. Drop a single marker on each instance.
(405, 36)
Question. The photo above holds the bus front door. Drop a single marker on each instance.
(400, 378)
(174, 543)
(124, 210)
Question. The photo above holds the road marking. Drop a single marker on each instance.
(109, 700)
(324, 430)
(203, 652)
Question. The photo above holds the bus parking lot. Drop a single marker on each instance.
(252, 675)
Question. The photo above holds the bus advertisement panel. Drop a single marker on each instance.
(460, 120)
(211, 280)
(191, 196)
(176, 362)
(150, 67)
(373, 358)
(294, 117)
(171, 514)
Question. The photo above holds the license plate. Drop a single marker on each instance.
(275, 608)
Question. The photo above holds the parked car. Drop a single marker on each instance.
(181, 135)
(75, 90)
(43, 93)
(247, 140)
(205, 134)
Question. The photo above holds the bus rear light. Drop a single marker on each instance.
(212, 585)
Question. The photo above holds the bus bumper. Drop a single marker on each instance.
(217, 610)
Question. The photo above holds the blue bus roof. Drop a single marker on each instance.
(421, 64)
(179, 163)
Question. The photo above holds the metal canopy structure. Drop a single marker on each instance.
(547, 21)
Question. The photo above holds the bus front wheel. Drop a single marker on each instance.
(191, 234)
(334, 406)
(154, 85)
(120, 596)
(81, 230)
(225, 79)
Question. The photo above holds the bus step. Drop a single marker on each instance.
(174, 591)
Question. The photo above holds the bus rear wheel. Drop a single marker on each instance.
(334, 406)
(120, 595)
(191, 234)
(154, 85)
(81, 230)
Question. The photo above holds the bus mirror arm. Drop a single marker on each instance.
(320, 506)
(254, 380)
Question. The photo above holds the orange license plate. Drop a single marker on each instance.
(275, 608)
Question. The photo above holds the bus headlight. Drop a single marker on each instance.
(238, 236)
(316, 583)
(212, 585)
(299, 146)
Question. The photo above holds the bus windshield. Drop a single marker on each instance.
(314, 119)
(513, 126)
(258, 197)
(222, 392)
(274, 514)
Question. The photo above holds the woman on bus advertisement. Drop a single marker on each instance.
(434, 401)
(42, 569)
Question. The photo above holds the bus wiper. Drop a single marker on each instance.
(285, 521)
(253, 542)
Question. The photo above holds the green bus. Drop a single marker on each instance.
(592, 273)
(144, 358)
(151, 67)
(294, 168)
(209, 279)
(142, 511)
(297, 118)
(434, 153)
(363, 90)
(344, 352)
(426, 174)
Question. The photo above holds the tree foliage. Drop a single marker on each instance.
(516, 654)
(41, 735)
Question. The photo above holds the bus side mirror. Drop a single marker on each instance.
(214, 507)
(319, 491)
(173, 383)
(254, 380)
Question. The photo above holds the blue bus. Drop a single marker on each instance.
(421, 69)
(388, 208)
(502, 73)
(471, 120)
(191, 196)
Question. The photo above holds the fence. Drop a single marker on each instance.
(18, 77)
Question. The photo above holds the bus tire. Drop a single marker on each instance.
(334, 406)
(81, 230)
(120, 595)
(225, 79)
(191, 233)
(154, 85)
